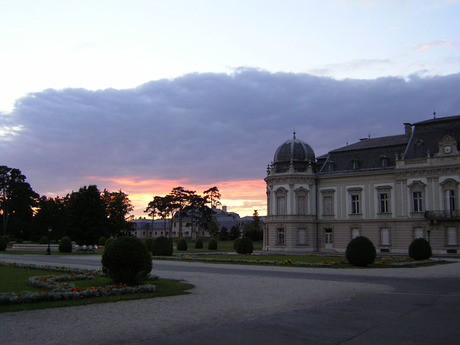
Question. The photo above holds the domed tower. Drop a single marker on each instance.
(291, 198)
(294, 154)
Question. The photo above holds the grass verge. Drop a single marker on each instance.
(15, 280)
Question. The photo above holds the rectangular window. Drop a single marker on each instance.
(281, 205)
(452, 236)
(417, 201)
(301, 205)
(450, 196)
(418, 233)
(384, 203)
(354, 233)
(384, 236)
(302, 237)
(280, 236)
(328, 205)
(355, 205)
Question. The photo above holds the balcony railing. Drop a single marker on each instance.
(442, 215)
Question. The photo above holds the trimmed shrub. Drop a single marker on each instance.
(360, 251)
(420, 249)
(244, 246)
(235, 243)
(212, 244)
(198, 243)
(65, 246)
(127, 261)
(3, 243)
(101, 241)
(108, 242)
(43, 240)
(182, 244)
(162, 246)
(148, 242)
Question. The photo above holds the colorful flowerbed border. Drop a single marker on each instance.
(58, 287)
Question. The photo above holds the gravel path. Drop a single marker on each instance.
(217, 299)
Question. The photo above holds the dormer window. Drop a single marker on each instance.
(355, 164)
(384, 161)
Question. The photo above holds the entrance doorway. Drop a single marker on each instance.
(328, 239)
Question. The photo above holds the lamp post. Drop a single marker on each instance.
(48, 251)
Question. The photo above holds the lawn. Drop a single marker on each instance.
(13, 279)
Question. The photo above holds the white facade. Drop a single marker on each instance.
(382, 188)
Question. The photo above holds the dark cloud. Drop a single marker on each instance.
(207, 127)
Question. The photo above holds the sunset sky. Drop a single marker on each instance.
(146, 95)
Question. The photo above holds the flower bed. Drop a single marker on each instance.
(381, 262)
(58, 287)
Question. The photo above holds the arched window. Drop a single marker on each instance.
(417, 190)
(301, 201)
(281, 201)
(449, 188)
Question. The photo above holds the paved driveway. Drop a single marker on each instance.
(258, 305)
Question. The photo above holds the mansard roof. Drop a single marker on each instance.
(427, 135)
(367, 154)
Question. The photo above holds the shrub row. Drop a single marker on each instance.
(361, 251)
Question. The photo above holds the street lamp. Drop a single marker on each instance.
(48, 251)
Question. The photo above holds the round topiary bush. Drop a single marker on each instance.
(420, 249)
(198, 243)
(182, 244)
(43, 240)
(244, 246)
(360, 251)
(148, 242)
(127, 261)
(162, 246)
(101, 241)
(235, 243)
(108, 242)
(212, 244)
(65, 246)
(3, 243)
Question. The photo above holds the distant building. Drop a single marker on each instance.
(390, 189)
(143, 228)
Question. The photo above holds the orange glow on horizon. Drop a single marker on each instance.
(242, 197)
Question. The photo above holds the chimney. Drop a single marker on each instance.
(408, 129)
(224, 208)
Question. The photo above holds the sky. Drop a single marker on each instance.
(144, 96)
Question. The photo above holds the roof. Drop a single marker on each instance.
(427, 134)
(367, 154)
(368, 143)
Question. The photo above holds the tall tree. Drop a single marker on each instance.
(87, 215)
(16, 203)
(213, 195)
(118, 206)
(180, 198)
(50, 213)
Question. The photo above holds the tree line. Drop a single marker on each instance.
(84, 215)
(88, 214)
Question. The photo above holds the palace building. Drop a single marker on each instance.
(390, 189)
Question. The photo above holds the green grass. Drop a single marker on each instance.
(15, 280)
(299, 260)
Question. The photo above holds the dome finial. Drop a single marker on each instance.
(294, 134)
